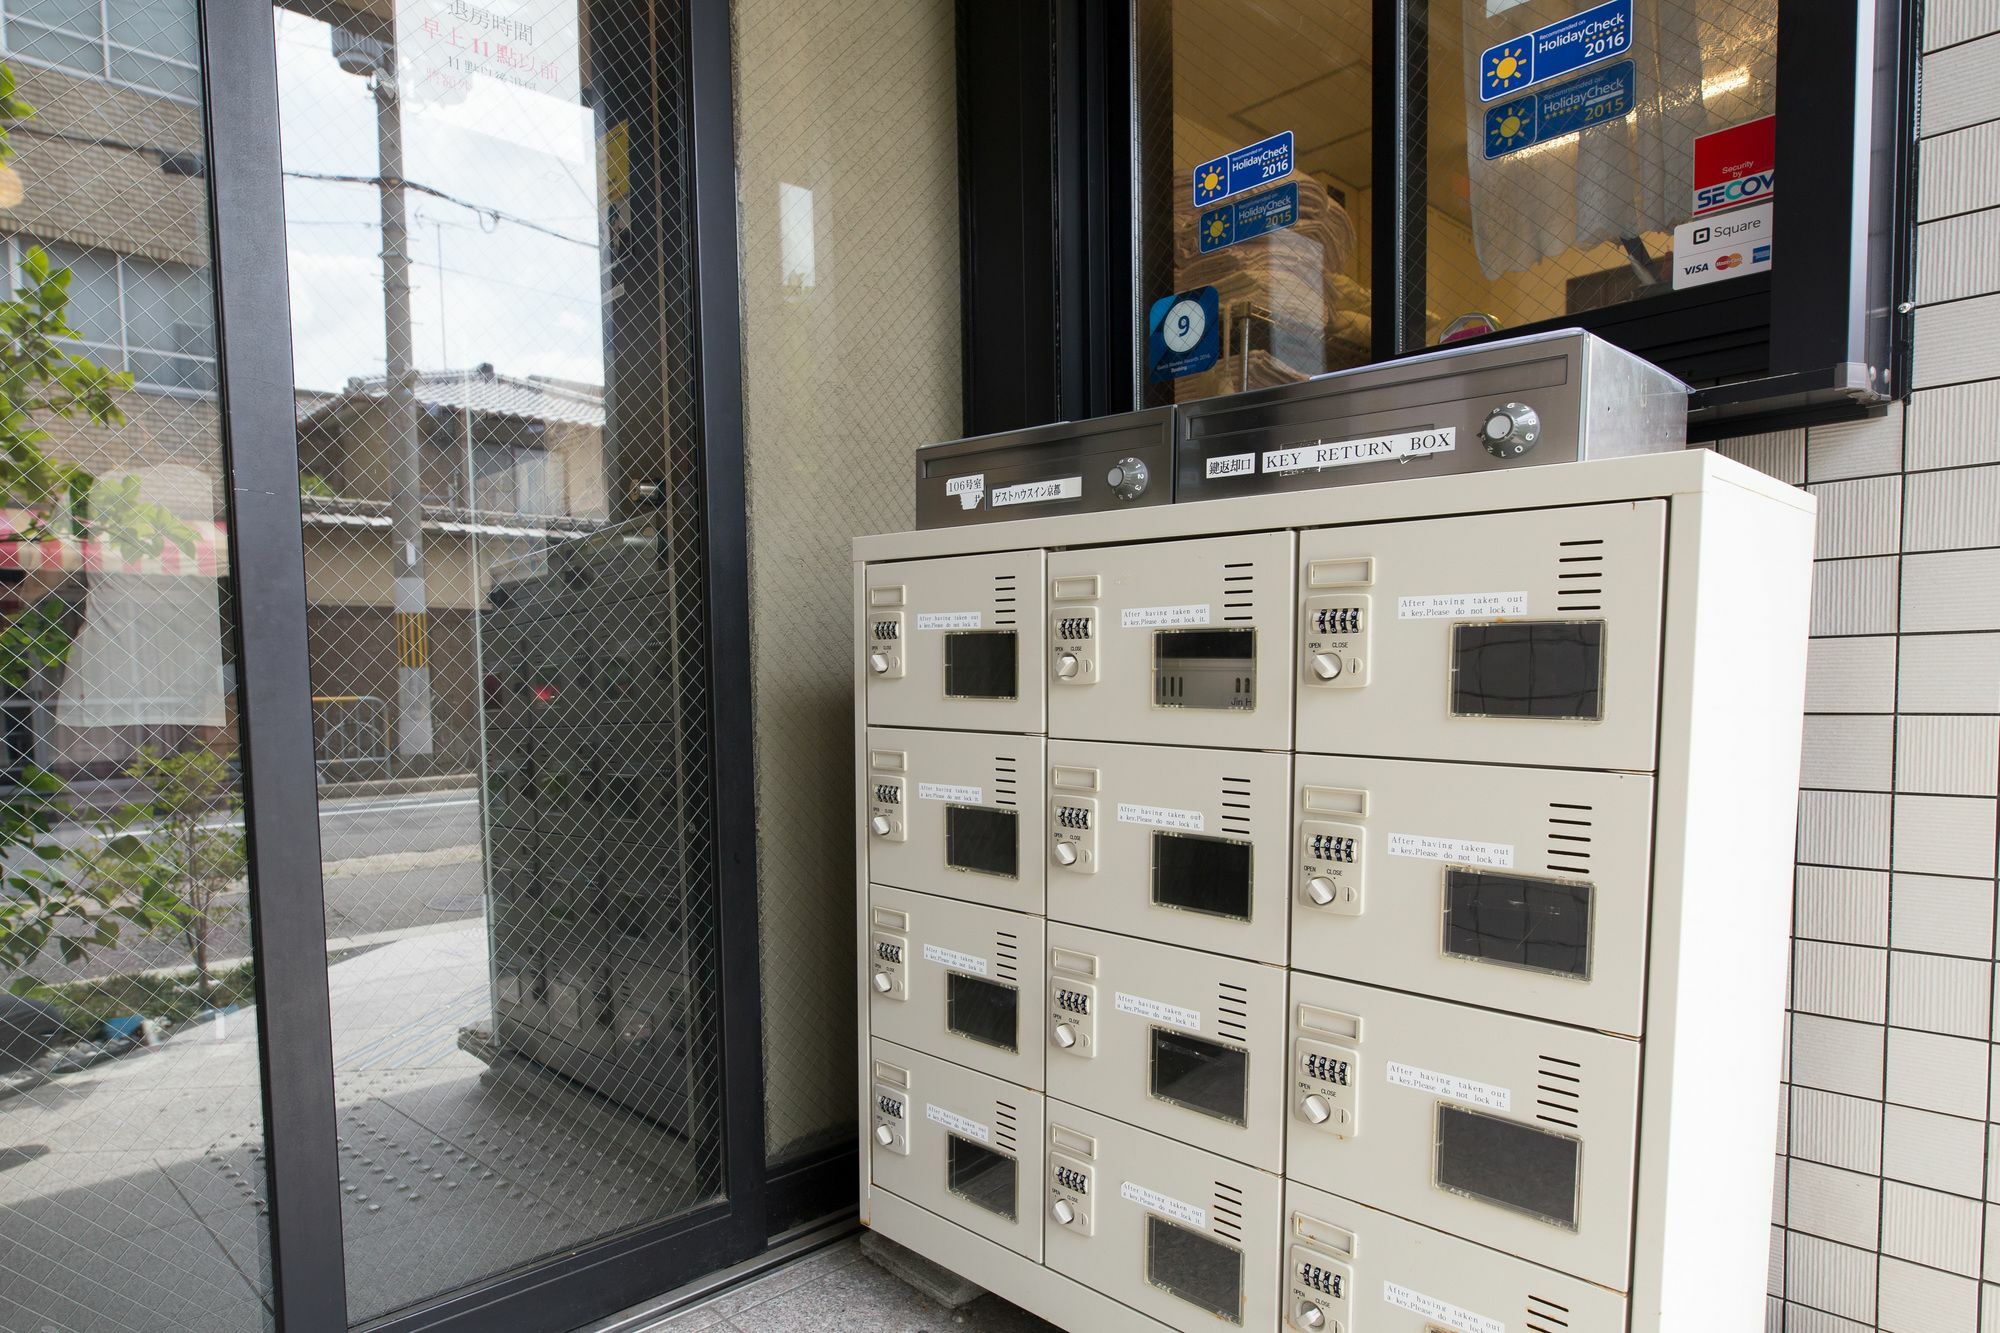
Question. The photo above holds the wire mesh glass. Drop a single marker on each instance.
(491, 272)
(132, 1182)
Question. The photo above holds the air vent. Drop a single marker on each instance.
(1005, 1130)
(1232, 1012)
(1570, 837)
(1228, 1212)
(1006, 953)
(1004, 771)
(1239, 591)
(1236, 806)
(1559, 1091)
(1005, 599)
(1546, 1316)
(1580, 576)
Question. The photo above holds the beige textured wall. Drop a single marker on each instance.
(851, 360)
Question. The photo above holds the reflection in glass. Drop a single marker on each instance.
(1214, 76)
(132, 1187)
(501, 485)
(1564, 198)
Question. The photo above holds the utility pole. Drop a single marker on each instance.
(366, 55)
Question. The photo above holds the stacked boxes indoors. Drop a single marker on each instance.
(1333, 928)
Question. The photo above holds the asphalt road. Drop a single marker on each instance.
(391, 863)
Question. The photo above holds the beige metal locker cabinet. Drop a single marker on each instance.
(1182, 846)
(1509, 1132)
(1183, 1043)
(960, 982)
(1175, 643)
(966, 1146)
(1349, 1268)
(1516, 889)
(1693, 593)
(957, 813)
(1529, 638)
(956, 643)
(1185, 1236)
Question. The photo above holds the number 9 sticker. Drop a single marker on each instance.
(1182, 334)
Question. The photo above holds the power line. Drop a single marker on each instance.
(482, 209)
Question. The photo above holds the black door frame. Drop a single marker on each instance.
(288, 921)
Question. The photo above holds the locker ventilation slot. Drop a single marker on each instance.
(1228, 1212)
(1239, 592)
(1232, 1013)
(1004, 771)
(1006, 953)
(1546, 1316)
(1236, 806)
(1005, 599)
(1569, 838)
(1580, 578)
(1559, 1091)
(1005, 1131)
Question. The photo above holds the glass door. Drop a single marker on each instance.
(508, 541)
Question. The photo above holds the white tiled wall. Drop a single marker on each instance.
(1886, 1213)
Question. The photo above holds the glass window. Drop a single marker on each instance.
(1198, 1269)
(1549, 196)
(1548, 151)
(1289, 255)
(133, 1191)
(140, 43)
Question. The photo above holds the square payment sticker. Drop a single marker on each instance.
(1728, 245)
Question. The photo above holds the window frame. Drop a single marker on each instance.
(106, 45)
(1053, 285)
(119, 353)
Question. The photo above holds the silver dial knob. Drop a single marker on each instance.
(1317, 1108)
(1128, 477)
(883, 982)
(880, 826)
(1066, 853)
(884, 1135)
(1321, 890)
(1065, 1035)
(1311, 1316)
(1063, 1212)
(878, 663)
(1326, 666)
(1068, 664)
(1510, 430)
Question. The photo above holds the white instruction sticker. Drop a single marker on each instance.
(1160, 816)
(1162, 617)
(1462, 605)
(1164, 1204)
(947, 620)
(1038, 492)
(1439, 1312)
(1728, 245)
(1170, 1014)
(1457, 851)
(1483, 1095)
(945, 791)
(957, 1124)
(969, 490)
(1374, 449)
(952, 958)
(1231, 465)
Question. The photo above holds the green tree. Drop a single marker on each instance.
(43, 894)
(175, 855)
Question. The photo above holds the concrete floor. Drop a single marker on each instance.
(838, 1290)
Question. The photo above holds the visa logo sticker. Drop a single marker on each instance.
(1731, 245)
(1556, 49)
